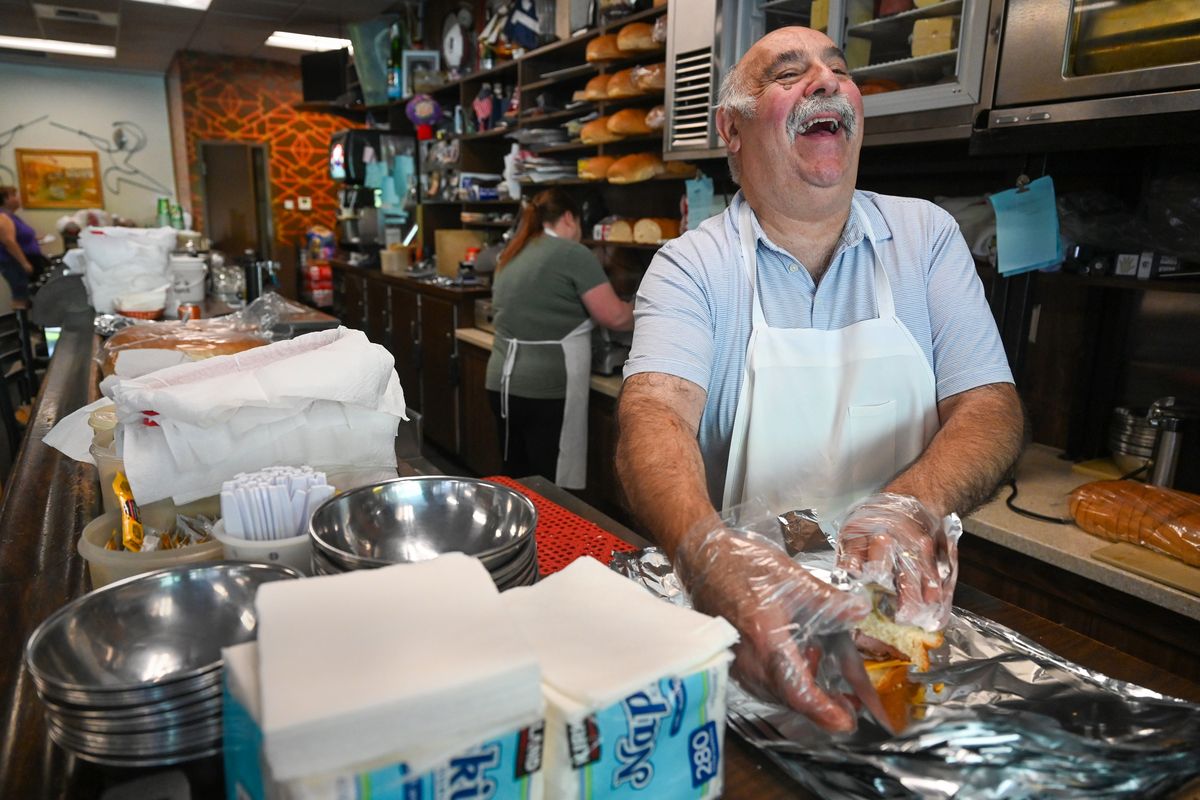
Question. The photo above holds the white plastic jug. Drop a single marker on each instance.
(187, 278)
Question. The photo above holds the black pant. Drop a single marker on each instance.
(534, 427)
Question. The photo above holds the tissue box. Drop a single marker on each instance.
(935, 35)
(665, 741)
(505, 767)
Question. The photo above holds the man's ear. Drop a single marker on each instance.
(727, 129)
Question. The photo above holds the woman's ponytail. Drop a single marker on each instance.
(546, 208)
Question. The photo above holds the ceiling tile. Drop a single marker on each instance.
(261, 9)
(78, 32)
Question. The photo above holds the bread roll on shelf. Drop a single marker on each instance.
(655, 230)
(637, 37)
(597, 88)
(604, 48)
(629, 122)
(621, 231)
(597, 132)
(656, 118)
(596, 168)
(650, 77)
(636, 168)
(621, 84)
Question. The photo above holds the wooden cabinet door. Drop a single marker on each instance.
(439, 372)
(404, 340)
(480, 444)
(377, 308)
(603, 488)
(349, 305)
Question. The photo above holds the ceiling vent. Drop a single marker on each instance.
(68, 14)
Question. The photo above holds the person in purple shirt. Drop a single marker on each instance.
(20, 247)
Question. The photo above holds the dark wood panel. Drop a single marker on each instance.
(1127, 623)
(480, 434)
(439, 373)
(348, 290)
(377, 309)
(405, 342)
(603, 489)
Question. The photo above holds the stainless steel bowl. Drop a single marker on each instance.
(148, 631)
(419, 518)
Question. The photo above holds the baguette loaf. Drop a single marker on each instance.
(1165, 520)
(597, 132)
(621, 84)
(636, 168)
(655, 230)
(595, 168)
(621, 231)
(603, 48)
(637, 36)
(597, 88)
(629, 122)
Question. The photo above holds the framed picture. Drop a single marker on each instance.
(60, 178)
(419, 70)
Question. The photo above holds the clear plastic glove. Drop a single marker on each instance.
(892, 541)
(780, 610)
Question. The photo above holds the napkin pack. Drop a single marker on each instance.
(407, 681)
(635, 687)
(505, 767)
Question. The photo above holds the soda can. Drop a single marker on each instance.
(188, 311)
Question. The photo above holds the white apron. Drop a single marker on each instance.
(825, 418)
(571, 470)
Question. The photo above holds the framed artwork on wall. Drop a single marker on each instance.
(60, 178)
(419, 71)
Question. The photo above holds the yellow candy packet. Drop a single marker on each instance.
(131, 521)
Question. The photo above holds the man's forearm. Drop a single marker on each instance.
(978, 443)
(661, 471)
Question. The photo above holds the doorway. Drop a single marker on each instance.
(237, 200)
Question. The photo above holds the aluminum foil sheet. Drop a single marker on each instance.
(1003, 718)
(107, 324)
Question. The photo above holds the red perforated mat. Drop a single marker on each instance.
(562, 536)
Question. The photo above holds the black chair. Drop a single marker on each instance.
(16, 377)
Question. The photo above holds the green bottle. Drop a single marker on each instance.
(163, 215)
(395, 86)
(177, 217)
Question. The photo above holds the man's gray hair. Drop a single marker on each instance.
(735, 96)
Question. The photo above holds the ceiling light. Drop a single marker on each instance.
(303, 41)
(55, 46)
(193, 5)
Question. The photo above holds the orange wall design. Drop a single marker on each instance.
(223, 99)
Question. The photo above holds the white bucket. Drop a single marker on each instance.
(187, 278)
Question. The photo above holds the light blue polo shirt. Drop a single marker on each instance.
(692, 318)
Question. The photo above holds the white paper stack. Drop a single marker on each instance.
(122, 260)
(409, 663)
(608, 648)
(329, 399)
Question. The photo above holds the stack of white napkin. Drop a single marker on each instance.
(326, 399)
(124, 260)
(410, 663)
(614, 659)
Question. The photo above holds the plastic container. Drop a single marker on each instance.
(108, 464)
(295, 552)
(106, 566)
(187, 278)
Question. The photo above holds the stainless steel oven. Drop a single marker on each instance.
(1069, 60)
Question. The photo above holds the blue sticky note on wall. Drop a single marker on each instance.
(1027, 228)
(699, 200)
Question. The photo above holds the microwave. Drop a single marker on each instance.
(1076, 60)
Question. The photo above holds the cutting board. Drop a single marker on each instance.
(1152, 565)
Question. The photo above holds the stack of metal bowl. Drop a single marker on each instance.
(1131, 438)
(419, 518)
(130, 675)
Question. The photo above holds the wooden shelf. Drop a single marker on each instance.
(558, 116)
(900, 24)
(1181, 284)
(502, 225)
(492, 134)
(581, 72)
(912, 71)
(622, 245)
(641, 16)
(578, 145)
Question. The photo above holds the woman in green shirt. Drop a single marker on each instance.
(548, 292)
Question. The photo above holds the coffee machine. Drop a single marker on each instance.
(359, 228)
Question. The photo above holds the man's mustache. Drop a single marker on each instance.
(837, 104)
